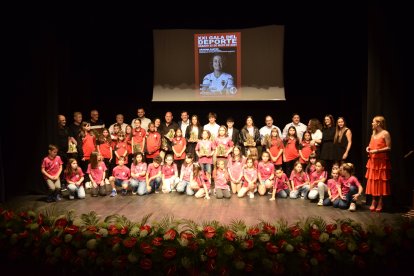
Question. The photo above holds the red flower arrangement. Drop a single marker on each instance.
(87, 244)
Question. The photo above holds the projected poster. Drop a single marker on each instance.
(217, 64)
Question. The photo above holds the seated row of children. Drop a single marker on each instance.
(245, 176)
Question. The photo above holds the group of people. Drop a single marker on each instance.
(214, 159)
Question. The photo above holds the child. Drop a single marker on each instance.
(291, 152)
(153, 177)
(317, 184)
(74, 178)
(250, 179)
(221, 179)
(274, 146)
(281, 184)
(51, 169)
(299, 182)
(349, 187)
(153, 143)
(186, 175)
(223, 145)
(128, 140)
(253, 153)
(96, 171)
(138, 173)
(333, 190)
(200, 182)
(169, 174)
(235, 166)
(310, 167)
(305, 148)
(205, 151)
(105, 149)
(266, 173)
(121, 148)
(179, 145)
(138, 137)
(120, 177)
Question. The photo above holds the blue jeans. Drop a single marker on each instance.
(344, 204)
(135, 184)
(155, 184)
(328, 202)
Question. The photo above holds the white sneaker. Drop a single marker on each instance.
(107, 181)
(251, 195)
(71, 197)
(320, 202)
(352, 207)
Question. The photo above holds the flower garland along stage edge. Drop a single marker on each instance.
(181, 246)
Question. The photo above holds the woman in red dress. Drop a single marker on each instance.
(378, 165)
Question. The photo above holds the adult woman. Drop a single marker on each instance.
(249, 136)
(328, 135)
(378, 166)
(218, 82)
(342, 141)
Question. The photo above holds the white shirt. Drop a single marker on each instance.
(213, 129)
(111, 128)
(184, 126)
(223, 83)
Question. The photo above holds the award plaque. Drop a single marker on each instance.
(203, 151)
(221, 150)
(72, 147)
(193, 137)
(170, 134)
(250, 141)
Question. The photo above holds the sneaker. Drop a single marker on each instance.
(157, 192)
(107, 181)
(124, 192)
(113, 193)
(352, 207)
(63, 189)
(251, 195)
(320, 202)
(134, 193)
(173, 190)
(58, 198)
(49, 199)
(71, 197)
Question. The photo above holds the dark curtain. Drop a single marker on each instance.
(389, 60)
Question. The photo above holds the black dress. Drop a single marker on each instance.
(340, 146)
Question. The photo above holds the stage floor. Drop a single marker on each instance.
(251, 211)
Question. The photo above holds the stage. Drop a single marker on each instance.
(181, 206)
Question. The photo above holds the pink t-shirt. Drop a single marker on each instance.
(315, 176)
(236, 167)
(225, 141)
(138, 169)
(220, 180)
(281, 183)
(169, 171)
(153, 170)
(123, 173)
(209, 146)
(265, 170)
(186, 171)
(202, 179)
(298, 178)
(74, 176)
(333, 187)
(52, 166)
(347, 183)
(250, 174)
(97, 173)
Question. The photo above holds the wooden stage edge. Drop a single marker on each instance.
(181, 206)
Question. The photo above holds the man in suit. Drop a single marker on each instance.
(232, 132)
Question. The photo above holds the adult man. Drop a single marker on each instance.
(165, 127)
(144, 121)
(119, 120)
(74, 130)
(185, 121)
(267, 129)
(96, 123)
(62, 138)
(300, 128)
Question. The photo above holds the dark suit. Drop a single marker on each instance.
(235, 137)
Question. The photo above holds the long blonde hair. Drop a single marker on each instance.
(380, 120)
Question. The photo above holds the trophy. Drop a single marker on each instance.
(249, 140)
(137, 148)
(266, 140)
(170, 134)
(221, 150)
(164, 143)
(203, 151)
(72, 147)
(193, 137)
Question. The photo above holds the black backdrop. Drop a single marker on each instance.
(352, 61)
